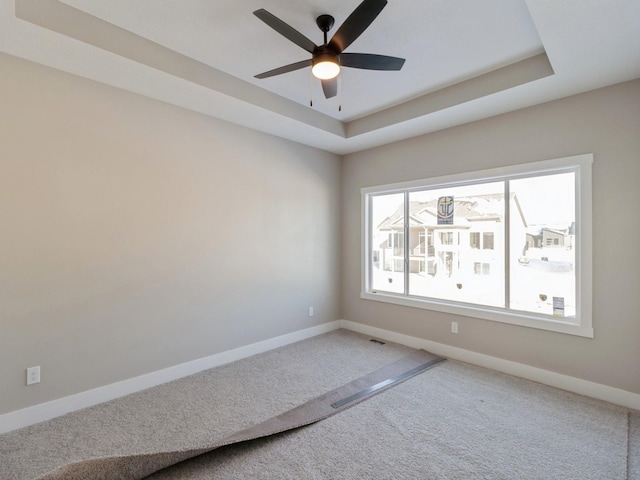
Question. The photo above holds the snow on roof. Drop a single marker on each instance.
(466, 209)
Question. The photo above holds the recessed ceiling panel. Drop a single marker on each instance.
(465, 59)
(444, 42)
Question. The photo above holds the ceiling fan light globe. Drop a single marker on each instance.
(325, 69)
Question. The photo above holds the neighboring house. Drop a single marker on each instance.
(552, 237)
(548, 237)
(472, 244)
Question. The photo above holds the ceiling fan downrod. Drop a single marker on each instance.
(325, 23)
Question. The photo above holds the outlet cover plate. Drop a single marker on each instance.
(33, 375)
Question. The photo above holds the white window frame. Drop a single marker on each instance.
(582, 325)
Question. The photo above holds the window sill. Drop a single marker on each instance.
(523, 319)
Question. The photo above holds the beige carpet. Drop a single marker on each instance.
(137, 466)
(454, 421)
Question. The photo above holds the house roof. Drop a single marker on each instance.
(567, 229)
(466, 210)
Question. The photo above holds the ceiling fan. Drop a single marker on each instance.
(327, 59)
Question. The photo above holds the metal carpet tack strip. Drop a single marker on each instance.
(386, 383)
(135, 467)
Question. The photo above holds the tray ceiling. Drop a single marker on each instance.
(465, 60)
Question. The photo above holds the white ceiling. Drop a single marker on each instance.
(465, 59)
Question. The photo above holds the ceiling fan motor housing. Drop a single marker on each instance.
(325, 54)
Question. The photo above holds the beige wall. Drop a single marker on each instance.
(135, 236)
(605, 122)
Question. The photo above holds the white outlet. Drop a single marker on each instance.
(454, 327)
(311, 311)
(33, 375)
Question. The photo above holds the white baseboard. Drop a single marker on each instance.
(55, 408)
(553, 379)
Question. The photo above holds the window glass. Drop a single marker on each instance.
(459, 218)
(543, 257)
(387, 243)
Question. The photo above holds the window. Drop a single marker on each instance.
(481, 268)
(511, 244)
(421, 243)
(474, 238)
(487, 241)
(396, 243)
(446, 238)
(477, 241)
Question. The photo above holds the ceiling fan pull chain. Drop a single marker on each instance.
(311, 90)
(339, 93)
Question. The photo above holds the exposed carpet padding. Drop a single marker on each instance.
(459, 422)
(195, 410)
(135, 467)
(455, 421)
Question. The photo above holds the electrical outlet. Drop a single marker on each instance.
(33, 375)
(311, 311)
(454, 327)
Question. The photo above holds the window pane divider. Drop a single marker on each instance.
(406, 243)
(507, 245)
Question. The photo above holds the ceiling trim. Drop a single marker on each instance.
(71, 22)
(516, 74)
(64, 19)
(583, 46)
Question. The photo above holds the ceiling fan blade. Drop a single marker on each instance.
(369, 61)
(330, 87)
(356, 23)
(285, 30)
(285, 69)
